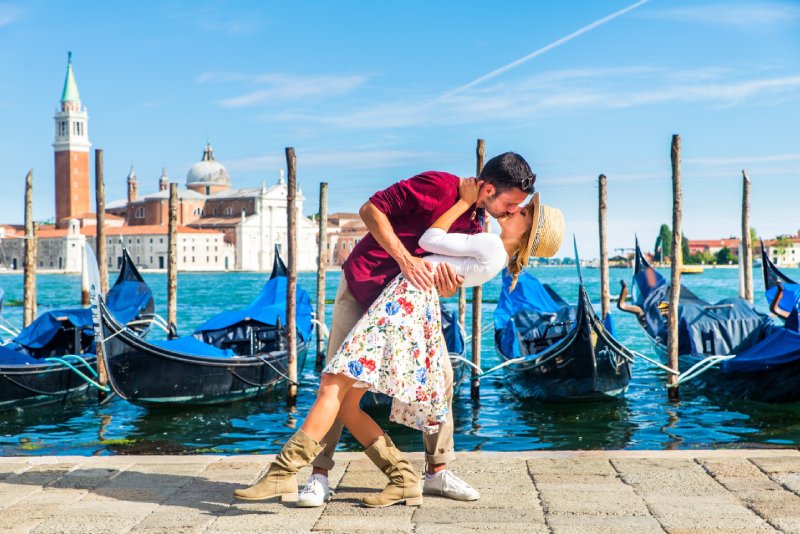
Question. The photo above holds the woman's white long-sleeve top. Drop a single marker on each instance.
(476, 257)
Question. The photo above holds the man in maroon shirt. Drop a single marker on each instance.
(396, 218)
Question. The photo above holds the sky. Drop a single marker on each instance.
(369, 93)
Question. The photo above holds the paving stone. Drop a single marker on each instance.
(564, 466)
(481, 515)
(596, 503)
(780, 464)
(89, 517)
(680, 513)
(7, 470)
(353, 523)
(505, 528)
(674, 477)
(591, 524)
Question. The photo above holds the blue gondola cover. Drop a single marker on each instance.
(269, 305)
(528, 296)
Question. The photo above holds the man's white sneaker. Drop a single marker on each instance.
(316, 493)
(448, 485)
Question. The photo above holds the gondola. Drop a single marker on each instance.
(454, 337)
(764, 363)
(553, 351)
(233, 356)
(43, 364)
(773, 278)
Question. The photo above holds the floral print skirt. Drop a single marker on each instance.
(397, 348)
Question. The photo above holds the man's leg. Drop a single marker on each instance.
(439, 447)
(346, 313)
(439, 451)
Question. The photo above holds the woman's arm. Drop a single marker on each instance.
(467, 196)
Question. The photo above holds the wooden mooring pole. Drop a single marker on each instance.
(31, 250)
(462, 308)
(172, 257)
(746, 261)
(102, 258)
(100, 201)
(676, 260)
(605, 294)
(322, 264)
(477, 297)
(291, 286)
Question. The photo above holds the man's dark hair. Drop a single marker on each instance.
(507, 171)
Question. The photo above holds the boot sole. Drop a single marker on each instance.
(284, 497)
(413, 501)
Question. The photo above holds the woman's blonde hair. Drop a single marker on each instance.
(521, 256)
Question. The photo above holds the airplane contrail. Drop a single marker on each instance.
(541, 51)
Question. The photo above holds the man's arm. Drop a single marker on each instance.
(415, 269)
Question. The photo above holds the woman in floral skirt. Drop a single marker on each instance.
(397, 348)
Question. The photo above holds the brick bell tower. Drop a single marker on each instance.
(71, 153)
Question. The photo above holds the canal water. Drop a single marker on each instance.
(643, 419)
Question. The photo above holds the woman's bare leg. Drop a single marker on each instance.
(333, 388)
(361, 426)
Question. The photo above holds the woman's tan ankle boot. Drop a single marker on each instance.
(403, 480)
(281, 480)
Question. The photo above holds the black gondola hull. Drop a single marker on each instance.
(35, 385)
(586, 364)
(778, 384)
(146, 374)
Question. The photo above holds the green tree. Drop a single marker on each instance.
(724, 256)
(663, 243)
(685, 246)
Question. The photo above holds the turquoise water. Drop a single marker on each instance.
(644, 419)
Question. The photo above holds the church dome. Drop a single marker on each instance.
(208, 171)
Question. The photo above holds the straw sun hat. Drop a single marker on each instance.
(547, 230)
(544, 239)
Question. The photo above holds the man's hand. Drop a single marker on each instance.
(446, 279)
(418, 271)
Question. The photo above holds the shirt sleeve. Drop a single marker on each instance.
(478, 257)
(420, 194)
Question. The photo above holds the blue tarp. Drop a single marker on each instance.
(781, 347)
(266, 308)
(790, 298)
(529, 294)
(39, 333)
(12, 357)
(127, 299)
(452, 333)
(529, 298)
(191, 345)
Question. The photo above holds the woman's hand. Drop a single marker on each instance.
(468, 190)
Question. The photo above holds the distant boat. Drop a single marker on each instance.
(235, 355)
(41, 365)
(553, 351)
(766, 357)
(691, 269)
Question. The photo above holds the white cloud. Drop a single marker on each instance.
(275, 87)
(9, 13)
(740, 15)
(558, 91)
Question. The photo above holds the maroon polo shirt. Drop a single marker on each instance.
(411, 206)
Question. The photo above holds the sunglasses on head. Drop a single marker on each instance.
(527, 184)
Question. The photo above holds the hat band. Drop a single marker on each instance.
(538, 235)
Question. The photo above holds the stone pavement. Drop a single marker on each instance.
(530, 492)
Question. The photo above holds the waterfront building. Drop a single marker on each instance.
(345, 230)
(61, 249)
(783, 251)
(252, 220)
(713, 246)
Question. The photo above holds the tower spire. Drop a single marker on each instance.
(70, 92)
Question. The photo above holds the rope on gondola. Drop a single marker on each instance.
(465, 360)
(256, 384)
(77, 371)
(700, 367)
(325, 331)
